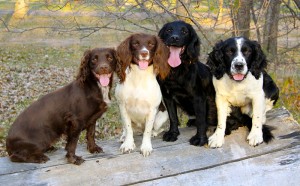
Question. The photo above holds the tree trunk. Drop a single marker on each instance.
(271, 27)
(243, 17)
(20, 13)
(220, 13)
(21, 9)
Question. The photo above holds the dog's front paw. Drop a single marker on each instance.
(41, 158)
(146, 149)
(77, 160)
(95, 149)
(216, 140)
(127, 146)
(198, 140)
(170, 136)
(255, 137)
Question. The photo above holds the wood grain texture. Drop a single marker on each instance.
(174, 163)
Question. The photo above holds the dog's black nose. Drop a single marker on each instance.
(175, 38)
(239, 66)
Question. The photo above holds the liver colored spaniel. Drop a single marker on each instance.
(68, 110)
(141, 58)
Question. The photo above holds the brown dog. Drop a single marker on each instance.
(68, 110)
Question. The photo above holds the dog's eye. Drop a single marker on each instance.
(246, 51)
(109, 58)
(169, 30)
(151, 45)
(229, 52)
(136, 44)
(184, 31)
(94, 60)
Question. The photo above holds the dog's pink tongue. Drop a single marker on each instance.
(238, 77)
(143, 64)
(104, 79)
(174, 59)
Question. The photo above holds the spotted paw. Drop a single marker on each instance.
(255, 137)
(216, 140)
(146, 149)
(127, 146)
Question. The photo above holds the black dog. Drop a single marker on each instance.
(189, 83)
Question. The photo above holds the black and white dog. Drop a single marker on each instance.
(241, 82)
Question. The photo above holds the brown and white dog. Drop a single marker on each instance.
(68, 110)
(141, 59)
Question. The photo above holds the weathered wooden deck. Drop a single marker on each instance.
(177, 163)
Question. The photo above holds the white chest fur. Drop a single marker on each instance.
(105, 93)
(139, 93)
(239, 93)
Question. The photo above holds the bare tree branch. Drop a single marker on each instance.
(196, 23)
(294, 14)
(290, 49)
(4, 24)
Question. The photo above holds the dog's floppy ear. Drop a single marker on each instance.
(161, 66)
(193, 49)
(162, 31)
(259, 61)
(216, 61)
(124, 56)
(84, 69)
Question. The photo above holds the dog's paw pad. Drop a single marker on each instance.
(170, 136)
(255, 137)
(216, 141)
(196, 140)
(127, 147)
(77, 160)
(146, 149)
(95, 149)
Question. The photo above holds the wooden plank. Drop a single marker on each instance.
(176, 162)
(277, 169)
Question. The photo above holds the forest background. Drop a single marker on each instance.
(41, 43)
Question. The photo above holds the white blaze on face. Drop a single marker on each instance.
(144, 50)
(239, 65)
(143, 61)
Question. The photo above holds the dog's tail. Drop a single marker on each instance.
(267, 133)
(238, 119)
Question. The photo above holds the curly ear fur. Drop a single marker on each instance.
(193, 49)
(84, 69)
(160, 59)
(216, 62)
(259, 62)
(124, 58)
(114, 66)
(162, 30)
